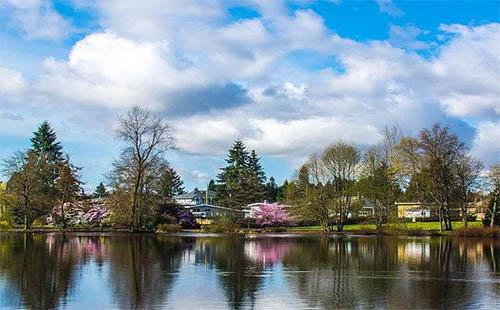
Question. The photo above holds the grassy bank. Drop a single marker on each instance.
(429, 226)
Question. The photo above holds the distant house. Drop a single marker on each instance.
(414, 210)
(195, 197)
(367, 208)
(205, 213)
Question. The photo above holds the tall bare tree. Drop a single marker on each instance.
(378, 182)
(468, 177)
(441, 151)
(339, 162)
(494, 203)
(146, 137)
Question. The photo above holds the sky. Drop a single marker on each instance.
(287, 77)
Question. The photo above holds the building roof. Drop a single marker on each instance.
(205, 205)
(194, 193)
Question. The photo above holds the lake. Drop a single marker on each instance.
(124, 271)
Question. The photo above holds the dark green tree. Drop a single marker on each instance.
(100, 191)
(272, 190)
(242, 181)
(171, 183)
(212, 186)
(45, 143)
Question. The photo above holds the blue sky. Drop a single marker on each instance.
(288, 77)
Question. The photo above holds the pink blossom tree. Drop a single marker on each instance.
(268, 215)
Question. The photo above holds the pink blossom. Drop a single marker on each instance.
(271, 215)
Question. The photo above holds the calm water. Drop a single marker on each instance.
(84, 271)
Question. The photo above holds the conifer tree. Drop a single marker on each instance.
(271, 190)
(100, 191)
(45, 143)
(242, 181)
(171, 183)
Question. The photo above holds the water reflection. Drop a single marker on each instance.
(148, 271)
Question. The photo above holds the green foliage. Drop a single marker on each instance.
(242, 181)
(31, 184)
(100, 191)
(170, 183)
(45, 143)
(223, 224)
(272, 190)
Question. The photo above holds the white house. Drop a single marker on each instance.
(194, 198)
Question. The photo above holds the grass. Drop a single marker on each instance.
(397, 226)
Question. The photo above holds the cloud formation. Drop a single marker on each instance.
(218, 78)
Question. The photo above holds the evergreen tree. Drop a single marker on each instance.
(272, 190)
(256, 179)
(212, 186)
(171, 183)
(100, 191)
(242, 181)
(45, 143)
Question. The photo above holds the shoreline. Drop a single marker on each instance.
(477, 232)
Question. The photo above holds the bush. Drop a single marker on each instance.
(4, 224)
(223, 224)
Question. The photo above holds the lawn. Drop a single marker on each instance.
(410, 226)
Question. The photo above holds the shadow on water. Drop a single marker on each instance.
(49, 271)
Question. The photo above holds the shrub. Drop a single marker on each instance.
(223, 224)
(4, 224)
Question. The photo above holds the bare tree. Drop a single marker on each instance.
(441, 151)
(468, 172)
(379, 176)
(146, 137)
(339, 162)
(494, 180)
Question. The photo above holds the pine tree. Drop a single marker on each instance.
(242, 181)
(212, 186)
(45, 143)
(232, 184)
(272, 190)
(171, 183)
(256, 167)
(256, 179)
(100, 191)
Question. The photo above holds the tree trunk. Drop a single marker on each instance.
(493, 213)
(134, 201)
(464, 216)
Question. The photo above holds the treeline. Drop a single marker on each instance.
(44, 184)
(434, 168)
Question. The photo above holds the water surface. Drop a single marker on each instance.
(123, 271)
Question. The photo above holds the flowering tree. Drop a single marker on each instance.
(271, 215)
(79, 214)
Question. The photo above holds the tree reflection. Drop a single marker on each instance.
(143, 268)
(379, 271)
(40, 268)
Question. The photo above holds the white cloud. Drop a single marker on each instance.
(175, 53)
(104, 69)
(11, 82)
(37, 19)
(388, 7)
(487, 142)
